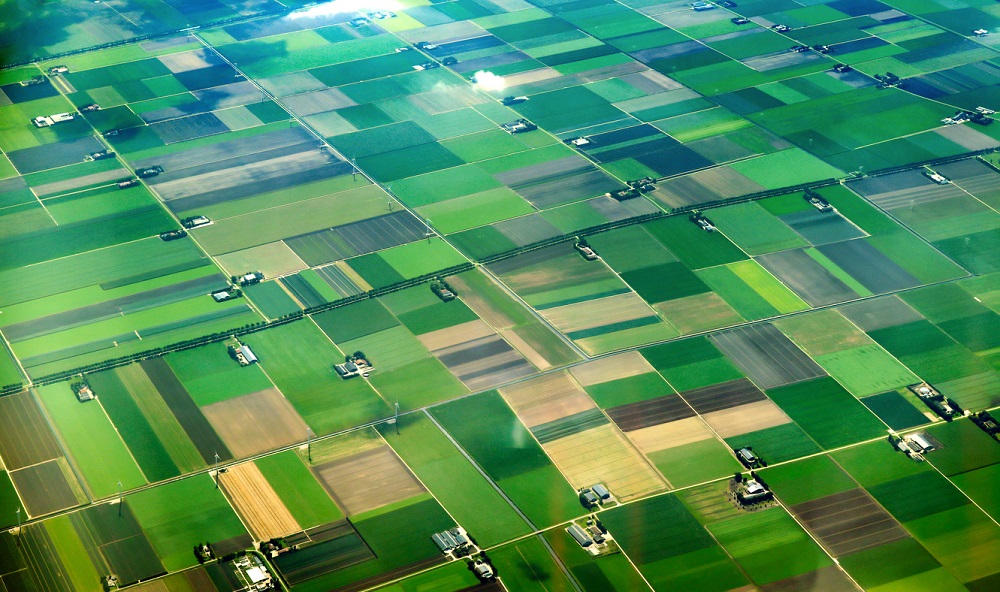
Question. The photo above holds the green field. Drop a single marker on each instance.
(210, 376)
(828, 413)
(527, 565)
(695, 462)
(299, 358)
(505, 449)
(807, 480)
(304, 497)
(670, 548)
(9, 498)
(93, 443)
(452, 480)
(178, 515)
(769, 545)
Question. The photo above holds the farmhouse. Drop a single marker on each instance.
(356, 365)
(588, 253)
(195, 221)
(701, 6)
(50, 120)
(483, 570)
(454, 542)
(127, 183)
(703, 222)
(921, 442)
(85, 394)
(753, 492)
(58, 70)
(580, 535)
(746, 456)
(90, 108)
(221, 295)
(602, 492)
(252, 574)
(518, 126)
(101, 155)
(251, 278)
(242, 354)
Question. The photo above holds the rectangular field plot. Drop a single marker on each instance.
(452, 480)
(506, 451)
(358, 238)
(117, 538)
(95, 446)
(766, 356)
(578, 438)
(368, 480)
(343, 548)
(299, 491)
(236, 422)
(476, 355)
(176, 516)
(778, 550)
(299, 359)
(257, 503)
(670, 548)
(536, 342)
(827, 412)
(25, 438)
(48, 487)
(848, 522)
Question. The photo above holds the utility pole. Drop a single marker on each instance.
(397, 418)
(18, 512)
(354, 170)
(309, 445)
(216, 470)
(121, 499)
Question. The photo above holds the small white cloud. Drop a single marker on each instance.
(345, 7)
(489, 81)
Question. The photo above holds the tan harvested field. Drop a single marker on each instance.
(531, 76)
(353, 276)
(602, 455)
(257, 502)
(257, 422)
(547, 398)
(611, 368)
(670, 435)
(272, 259)
(368, 480)
(597, 313)
(154, 586)
(450, 336)
(525, 348)
(746, 418)
(496, 318)
(698, 313)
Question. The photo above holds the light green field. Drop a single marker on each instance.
(867, 370)
(73, 553)
(92, 441)
(176, 516)
(257, 228)
(161, 419)
(453, 481)
(755, 230)
(422, 257)
(769, 545)
(304, 497)
(299, 358)
(694, 463)
(477, 209)
(765, 284)
(209, 375)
